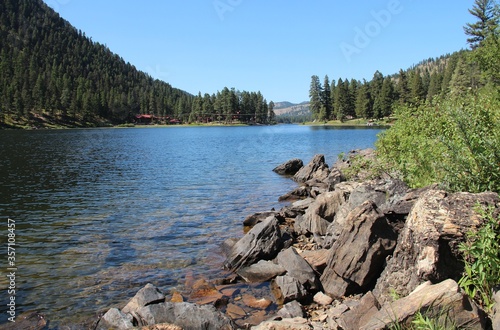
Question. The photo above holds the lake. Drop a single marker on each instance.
(101, 212)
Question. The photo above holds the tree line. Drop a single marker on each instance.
(229, 105)
(48, 67)
(430, 81)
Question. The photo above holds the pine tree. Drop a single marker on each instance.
(487, 22)
(326, 101)
(403, 89)
(363, 101)
(315, 91)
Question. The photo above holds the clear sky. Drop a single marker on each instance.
(272, 46)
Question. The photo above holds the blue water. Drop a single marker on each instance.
(101, 212)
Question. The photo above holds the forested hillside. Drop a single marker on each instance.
(428, 81)
(50, 71)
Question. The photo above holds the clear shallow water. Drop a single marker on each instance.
(101, 212)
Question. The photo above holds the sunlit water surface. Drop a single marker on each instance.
(101, 212)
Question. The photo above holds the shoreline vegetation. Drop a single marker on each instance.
(47, 121)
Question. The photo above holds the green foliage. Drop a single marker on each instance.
(455, 143)
(482, 259)
(422, 321)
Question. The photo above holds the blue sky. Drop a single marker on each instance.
(272, 46)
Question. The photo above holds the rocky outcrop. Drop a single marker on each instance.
(357, 258)
(315, 169)
(427, 248)
(443, 301)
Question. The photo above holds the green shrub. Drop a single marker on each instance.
(455, 143)
(482, 260)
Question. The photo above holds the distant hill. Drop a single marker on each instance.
(291, 109)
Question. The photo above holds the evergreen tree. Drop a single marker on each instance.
(487, 22)
(363, 105)
(417, 90)
(382, 106)
(326, 101)
(403, 89)
(315, 92)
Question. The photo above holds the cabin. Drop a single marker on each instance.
(144, 119)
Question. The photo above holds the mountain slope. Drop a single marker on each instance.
(49, 68)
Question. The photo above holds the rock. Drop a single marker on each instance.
(322, 299)
(235, 312)
(255, 218)
(26, 321)
(228, 245)
(495, 319)
(317, 168)
(298, 268)
(253, 302)
(290, 167)
(163, 326)
(285, 324)
(335, 177)
(177, 297)
(321, 213)
(185, 315)
(261, 272)
(427, 247)
(298, 193)
(145, 296)
(204, 292)
(360, 314)
(357, 258)
(287, 288)
(317, 259)
(116, 319)
(433, 300)
(291, 310)
(262, 242)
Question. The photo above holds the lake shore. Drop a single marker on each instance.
(336, 258)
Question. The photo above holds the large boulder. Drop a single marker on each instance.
(427, 248)
(321, 213)
(357, 258)
(298, 268)
(290, 167)
(262, 242)
(315, 169)
(116, 319)
(443, 302)
(262, 271)
(145, 296)
(185, 315)
(326, 212)
(286, 288)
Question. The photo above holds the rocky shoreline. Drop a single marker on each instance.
(357, 254)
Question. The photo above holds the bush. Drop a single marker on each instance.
(482, 260)
(455, 143)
